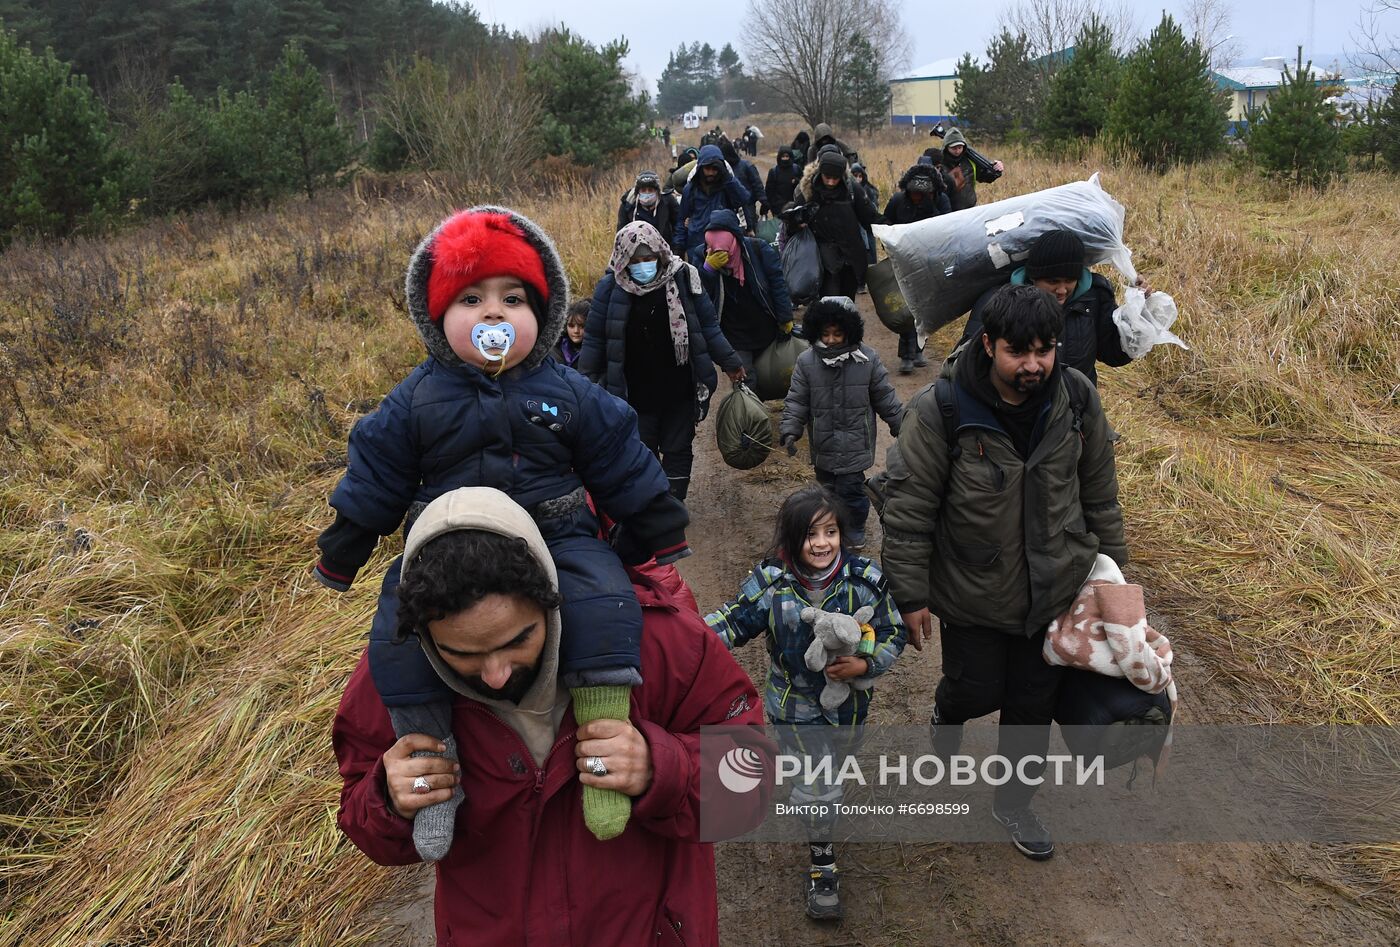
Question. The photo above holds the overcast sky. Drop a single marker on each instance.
(654, 29)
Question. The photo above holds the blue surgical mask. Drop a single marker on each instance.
(643, 272)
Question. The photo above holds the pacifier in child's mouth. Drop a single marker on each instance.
(499, 336)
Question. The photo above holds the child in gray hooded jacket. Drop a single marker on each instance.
(838, 387)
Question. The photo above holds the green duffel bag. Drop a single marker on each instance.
(890, 304)
(742, 429)
(680, 176)
(772, 370)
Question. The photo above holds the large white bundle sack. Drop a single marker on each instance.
(945, 263)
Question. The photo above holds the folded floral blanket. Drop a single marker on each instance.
(1106, 631)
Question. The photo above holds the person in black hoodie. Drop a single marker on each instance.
(824, 135)
(923, 193)
(835, 209)
(782, 180)
(800, 143)
(748, 176)
(646, 200)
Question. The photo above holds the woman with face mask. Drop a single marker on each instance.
(645, 200)
(652, 339)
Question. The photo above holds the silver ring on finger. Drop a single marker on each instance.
(420, 785)
(596, 766)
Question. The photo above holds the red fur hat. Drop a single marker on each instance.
(470, 247)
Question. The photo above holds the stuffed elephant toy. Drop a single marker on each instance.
(835, 635)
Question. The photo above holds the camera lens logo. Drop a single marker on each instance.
(741, 770)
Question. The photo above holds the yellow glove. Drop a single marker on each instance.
(786, 327)
(717, 259)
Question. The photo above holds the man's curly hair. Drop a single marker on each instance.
(454, 571)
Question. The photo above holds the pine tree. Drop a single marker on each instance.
(1388, 130)
(1168, 109)
(60, 168)
(1004, 96)
(969, 94)
(1296, 136)
(1081, 91)
(865, 97)
(590, 112)
(172, 154)
(728, 63)
(312, 149)
(1361, 136)
(730, 71)
(690, 78)
(246, 166)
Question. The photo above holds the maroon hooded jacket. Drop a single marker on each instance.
(523, 869)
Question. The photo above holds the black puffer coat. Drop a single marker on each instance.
(782, 180)
(662, 216)
(605, 334)
(836, 218)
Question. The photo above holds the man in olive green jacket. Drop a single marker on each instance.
(995, 529)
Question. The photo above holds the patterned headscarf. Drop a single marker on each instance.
(639, 233)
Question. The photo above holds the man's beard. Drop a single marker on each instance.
(1026, 383)
(516, 687)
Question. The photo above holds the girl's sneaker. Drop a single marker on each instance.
(824, 894)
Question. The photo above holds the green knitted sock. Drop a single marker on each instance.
(605, 811)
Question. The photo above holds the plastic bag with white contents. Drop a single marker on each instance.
(945, 263)
(1145, 321)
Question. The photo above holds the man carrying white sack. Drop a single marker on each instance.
(1056, 265)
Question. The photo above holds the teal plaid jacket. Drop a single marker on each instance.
(770, 603)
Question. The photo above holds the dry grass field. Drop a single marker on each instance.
(174, 403)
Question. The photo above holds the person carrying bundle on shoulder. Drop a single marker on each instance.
(1000, 494)
(963, 173)
(1056, 265)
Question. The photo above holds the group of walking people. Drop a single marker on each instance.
(527, 712)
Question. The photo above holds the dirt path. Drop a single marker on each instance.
(986, 895)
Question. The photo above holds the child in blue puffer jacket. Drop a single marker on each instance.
(490, 408)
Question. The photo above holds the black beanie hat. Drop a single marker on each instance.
(831, 162)
(1055, 253)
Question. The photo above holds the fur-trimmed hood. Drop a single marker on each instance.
(923, 171)
(803, 194)
(552, 321)
(838, 309)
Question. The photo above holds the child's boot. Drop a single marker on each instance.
(824, 894)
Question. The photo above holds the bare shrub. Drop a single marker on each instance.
(798, 48)
(473, 134)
